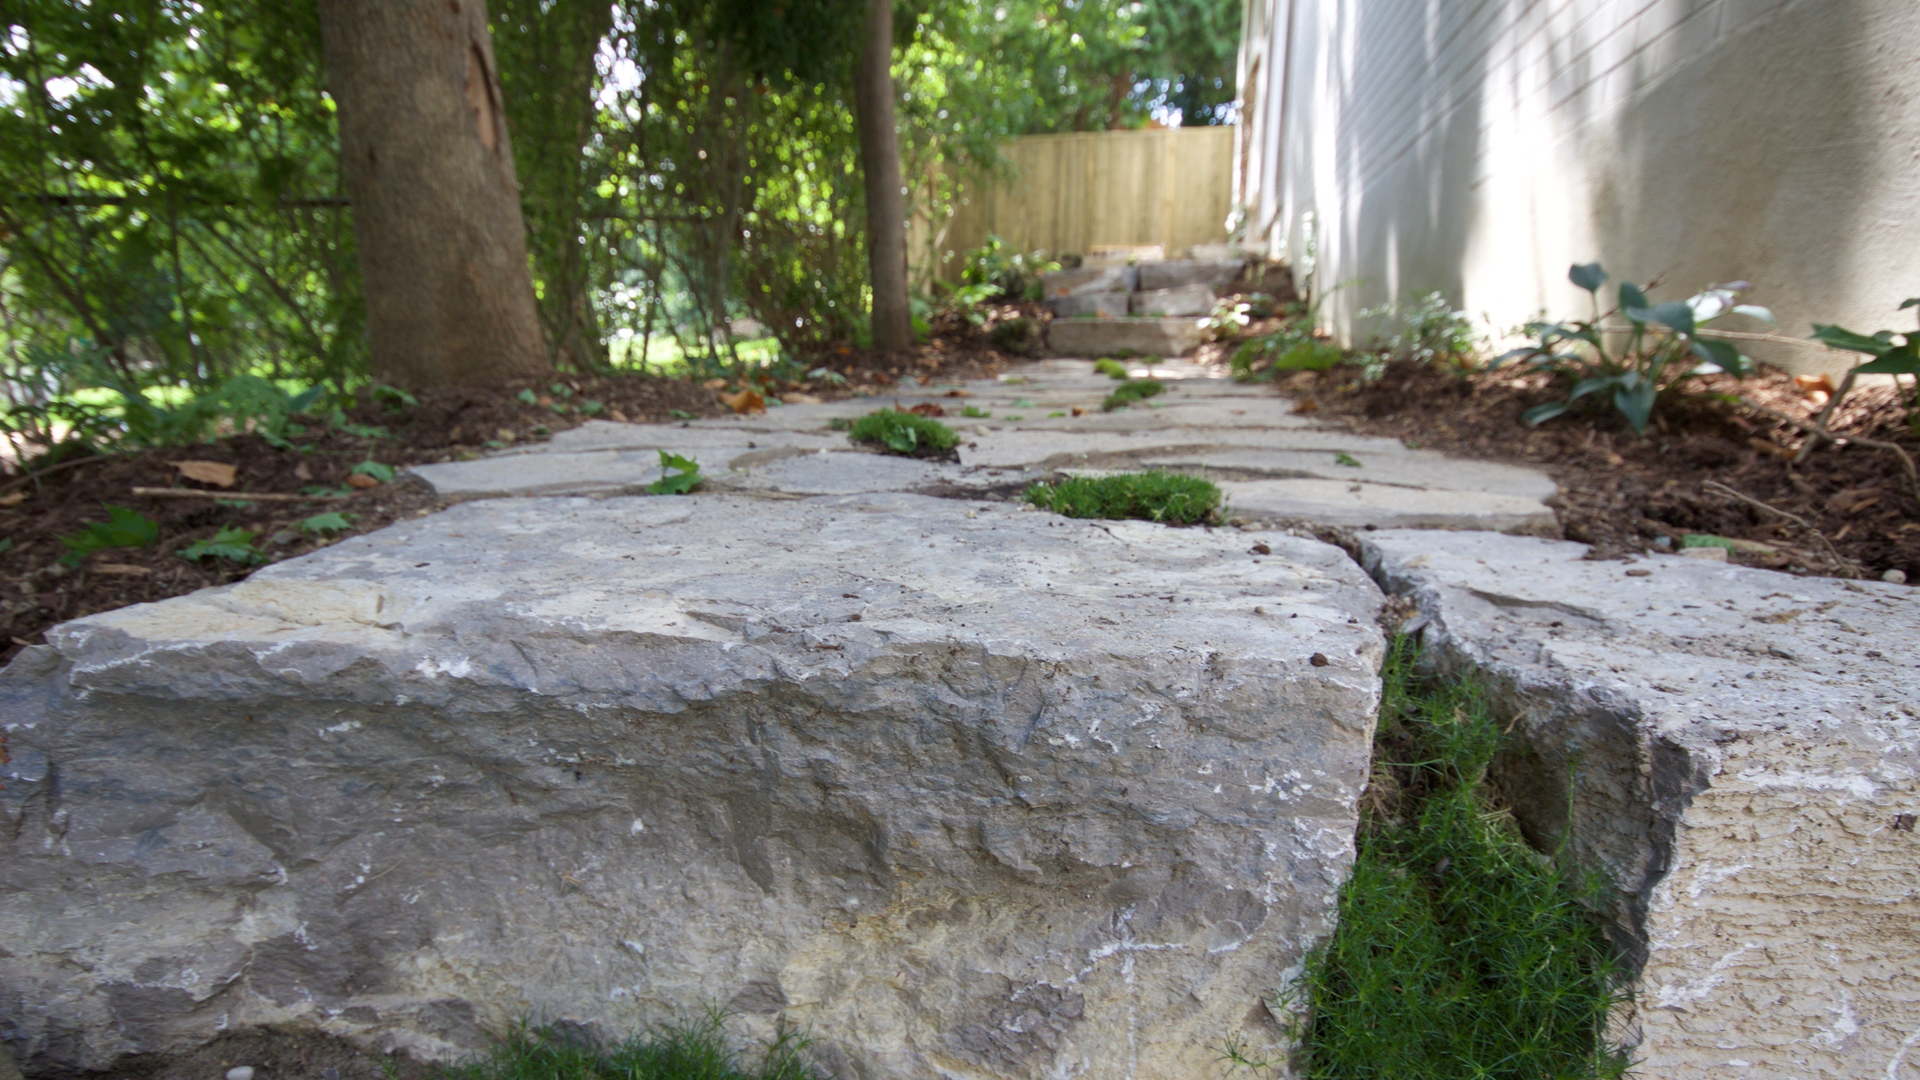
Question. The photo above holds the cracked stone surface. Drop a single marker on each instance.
(961, 789)
(1271, 463)
(1744, 754)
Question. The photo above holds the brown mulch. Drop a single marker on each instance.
(1845, 511)
(38, 589)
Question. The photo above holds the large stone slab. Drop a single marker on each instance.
(1090, 279)
(1101, 305)
(1743, 749)
(1122, 337)
(958, 789)
(1190, 300)
(1214, 274)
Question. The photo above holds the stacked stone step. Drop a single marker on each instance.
(1152, 308)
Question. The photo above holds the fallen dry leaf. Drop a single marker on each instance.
(217, 473)
(746, 401)
(14, 498)
(927, 408)
(1814, 384)
(1766, 446)
(361, 480)
(1306, 405)
(302, 472)
(1078, 411)
(616, 416)
(956, 392)
(801, 399)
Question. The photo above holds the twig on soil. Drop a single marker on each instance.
(1839, 560)
(246, 496)
(36, 474)
(1816, 432)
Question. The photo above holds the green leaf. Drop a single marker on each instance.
(1542, 413)
(1674, 315)
(1588, 276)
(678, 476)
(332, 521)
(680, 414)
(1839, 337)
(1591, 385)
(1911, 301)
(1634, 398)
(234, 545)
(382, 473)
(1716, 355)
(1632, 299)
(1901, 360)
(123, 528)
(1344, 458)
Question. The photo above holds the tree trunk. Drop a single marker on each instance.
(436, 208)
(880, 160)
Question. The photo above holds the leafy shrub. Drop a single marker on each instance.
(1169, 498)
(1229, 316)
(123, 528)
(1458, 950)
(1890, 357)
(1133, 391)
(1111, 368)
(1011, 275)
(1662, 348)
(1428, 331)
(904, 433)
(1290, 348)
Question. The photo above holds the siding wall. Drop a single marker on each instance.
(1067, 193)
(1480, 146)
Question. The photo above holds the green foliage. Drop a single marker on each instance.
(1006, 275)
(123, 528)
(1132, 392)
(234, 545)
(1292, 347)
(696, 1051)
(1229, 316)
(678, 475)
(1662, 348)
(380, 472)
(904, 433)
(1699, 540)
(975, 412)
(1892, 354)
(327, 523)
(1111, 368)
(1344, 458)
(1019, 335)
(1169, 498)
(1427, 331)
(1459, 951)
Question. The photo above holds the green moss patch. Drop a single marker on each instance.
(1132, 391)
(1111, 368)
(697, 1051)
(904, 433)
(1168, 498)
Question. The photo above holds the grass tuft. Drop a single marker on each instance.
(904, 433)
(1460, 951)
(1169, 498)
(1111, 368)
(695, 1051)
(1132, 391)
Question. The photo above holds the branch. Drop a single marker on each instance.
(1834, 553)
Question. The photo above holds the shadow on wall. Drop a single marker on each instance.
(1759, 161)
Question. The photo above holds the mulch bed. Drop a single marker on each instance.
(38, 590)
(1708, 465)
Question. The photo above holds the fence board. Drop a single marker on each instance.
(1068, 193)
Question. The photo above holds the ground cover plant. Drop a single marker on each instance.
(1132, 392)
(1168, 498)
(1460, 951)
(696, 1051)
(904, 433)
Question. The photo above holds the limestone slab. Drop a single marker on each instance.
(1129, 337)
(1744, 755)
(1189, 300)
(1090, 279)
(957, 789)
(1173, 274)
(1104, 305)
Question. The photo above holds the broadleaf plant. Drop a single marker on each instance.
(1893, 354)
(678, 475)
(1660, 348)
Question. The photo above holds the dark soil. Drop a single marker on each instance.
(276, 1054)
(1847, 510)
(38, 590)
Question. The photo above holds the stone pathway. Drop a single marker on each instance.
(1273, 465)
(962, 788)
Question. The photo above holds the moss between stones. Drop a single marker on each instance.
(1168, 498)
(1131, 391)
(904, 433)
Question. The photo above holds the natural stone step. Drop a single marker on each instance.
(1090, 279)
(1216, 275)
(1194, 299)
(1099, 305)
(1739, 750)
(1123, 337)
(954, 788)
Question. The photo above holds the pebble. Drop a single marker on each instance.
(1894, 577)
(240, 1072)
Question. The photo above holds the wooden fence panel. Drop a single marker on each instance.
(1068, 193)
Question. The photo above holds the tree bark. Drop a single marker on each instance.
(880, 161)
(436, 208)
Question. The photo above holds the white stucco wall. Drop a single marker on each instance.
(1479, 147)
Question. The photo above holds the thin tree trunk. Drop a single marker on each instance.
(436, 208)
(880, 160)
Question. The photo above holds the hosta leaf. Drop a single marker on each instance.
(1588, 276)
(1634, 398)
(1540, 414)
(1902, 360)
(1839, 337)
